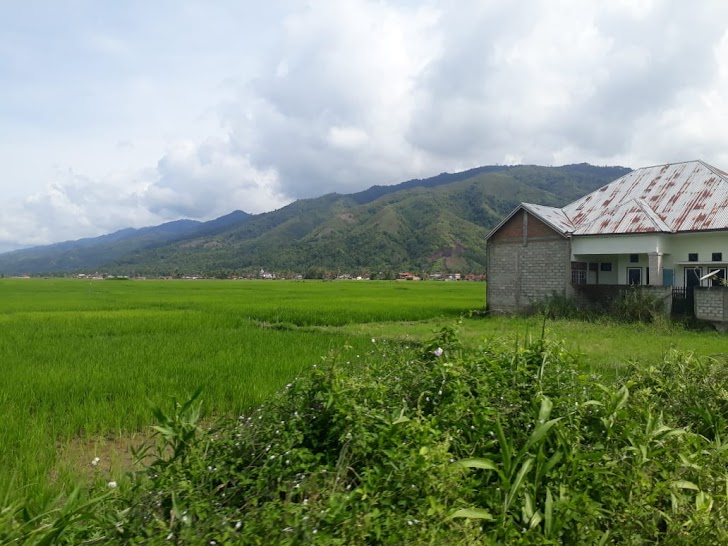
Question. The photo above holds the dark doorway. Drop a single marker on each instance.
(683, 299)
(634, 275)
(692, 276)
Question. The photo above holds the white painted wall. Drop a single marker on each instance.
(674, 247)
(704, 244)
(618, 244)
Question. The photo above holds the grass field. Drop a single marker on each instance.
(83, 360)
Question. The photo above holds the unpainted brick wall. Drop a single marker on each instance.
(711, 303)
(523, 271)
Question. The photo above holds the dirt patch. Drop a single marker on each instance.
(99, 458)
(347, 217)
(108, 458)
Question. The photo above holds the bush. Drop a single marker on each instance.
(638, 305)
(634, 305)
(559, 306)
(509, 444)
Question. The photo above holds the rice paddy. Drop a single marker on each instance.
(83, 360)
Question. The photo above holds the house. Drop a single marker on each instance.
(665, 225)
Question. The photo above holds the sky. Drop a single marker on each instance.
(130, 114)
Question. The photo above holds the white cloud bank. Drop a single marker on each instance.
(249, 109)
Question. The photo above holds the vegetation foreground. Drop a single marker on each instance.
(500, 445)
(387, 440)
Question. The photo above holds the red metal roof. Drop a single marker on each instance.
(690, 196)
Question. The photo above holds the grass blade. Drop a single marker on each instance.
(525, 468)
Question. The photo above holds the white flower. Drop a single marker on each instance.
(95, 461)
(374, 340)
(438, 352)
(112, 484)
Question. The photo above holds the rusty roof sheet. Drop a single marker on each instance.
(554, 217)
(689, 196)
(634, 216)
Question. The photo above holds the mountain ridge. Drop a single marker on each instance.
(436, 223)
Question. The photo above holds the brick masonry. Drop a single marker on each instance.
(711, 304)
(527, 261)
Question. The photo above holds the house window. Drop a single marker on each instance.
(634, 258)
(693, 257)
(578, 272)
(717, 256)
(605, 266)
(634, 275)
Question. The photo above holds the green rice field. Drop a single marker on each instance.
(84, 360)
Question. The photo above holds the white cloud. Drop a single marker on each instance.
(209, 180)
(205, 108)
(332, 112)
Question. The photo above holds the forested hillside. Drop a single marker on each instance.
(434, 224)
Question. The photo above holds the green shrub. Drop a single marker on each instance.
(633, 305)
(558, 306)
(508, 444)
(638, 305)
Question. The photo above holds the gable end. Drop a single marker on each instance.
(521, 227)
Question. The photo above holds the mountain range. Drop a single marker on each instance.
(432, 224)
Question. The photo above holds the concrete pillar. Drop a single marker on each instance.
(655, 265)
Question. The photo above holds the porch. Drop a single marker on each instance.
(633, 269)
